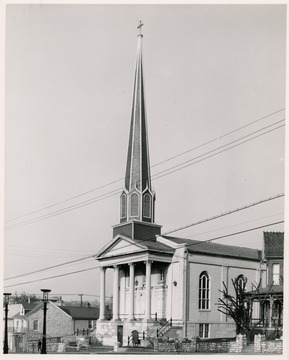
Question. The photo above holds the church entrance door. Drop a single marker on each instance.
(120, 334)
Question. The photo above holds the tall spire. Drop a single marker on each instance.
(137, 199)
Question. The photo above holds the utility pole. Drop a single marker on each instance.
(6, 303)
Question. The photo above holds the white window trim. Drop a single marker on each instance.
(208, 299)
(150, 206)
(138, 197)
(204, 325)
(276, 274)
(121, 206)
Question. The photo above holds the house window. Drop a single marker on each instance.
(134, 205)
(147, 206)
(123, 206)
(204, 291)
(35, 325)
(276, 274)
(204, 330)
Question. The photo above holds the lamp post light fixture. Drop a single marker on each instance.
(6, 303)
(45, 301)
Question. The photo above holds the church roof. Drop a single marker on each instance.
(155, 246)
(195, 246)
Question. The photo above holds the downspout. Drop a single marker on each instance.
(185, 293)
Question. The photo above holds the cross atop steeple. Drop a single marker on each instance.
(139, 27)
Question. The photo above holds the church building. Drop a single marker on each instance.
(162, 282)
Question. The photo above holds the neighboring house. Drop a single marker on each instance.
(158, 278)
(62, 322)
(17, 325)
(83, 318)
(269, 298)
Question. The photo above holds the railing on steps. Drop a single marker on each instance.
(164, 328)
(141, 336)
(85, 332)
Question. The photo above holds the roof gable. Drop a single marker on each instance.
(38, 307)
(120, 245)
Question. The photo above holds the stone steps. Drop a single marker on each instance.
(248, 349)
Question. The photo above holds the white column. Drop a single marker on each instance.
(169, 293)
(131, 285)
(148, 290)
(271, 310)
(102, 294)
(116, 293)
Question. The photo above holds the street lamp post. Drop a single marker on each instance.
(6, 302)
(45, 301)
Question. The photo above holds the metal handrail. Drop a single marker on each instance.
(164, 328)
(141, 336)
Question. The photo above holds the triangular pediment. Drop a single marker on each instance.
(120, 245)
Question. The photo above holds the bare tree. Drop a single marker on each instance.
(236, 305)
(239, 305)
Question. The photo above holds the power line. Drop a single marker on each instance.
(225, 214)
(191, 245)
(50, 267)
(155, 177)
(191, 162)
(53, 277)
(166, 233)
(69, 208)
(234, 225)
(219, 137)
(237, 233)
(161, 162)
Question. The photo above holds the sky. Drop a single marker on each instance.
(215, 100)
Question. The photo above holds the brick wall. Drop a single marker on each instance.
(201, 346)
(263, 346)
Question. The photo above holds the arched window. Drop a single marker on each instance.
(204, 291)
(134, 205)
(147, 206)
(241, 282)
(123, 206)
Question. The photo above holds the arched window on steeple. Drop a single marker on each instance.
(123, 206)
(204, 291)
(134, 201)
(147, 206)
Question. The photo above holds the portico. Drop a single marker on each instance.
(135, 278)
